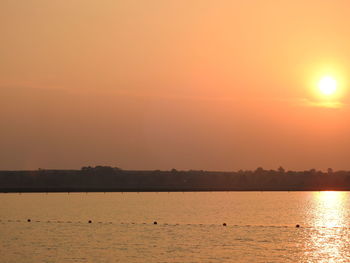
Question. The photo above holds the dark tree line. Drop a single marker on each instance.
(105, 178)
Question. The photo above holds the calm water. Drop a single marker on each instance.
(260, 227)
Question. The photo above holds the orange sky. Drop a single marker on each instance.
(217, 85)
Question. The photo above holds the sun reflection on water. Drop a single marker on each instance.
(327, 239)
(329, 209)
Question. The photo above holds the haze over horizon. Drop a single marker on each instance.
(209, 85)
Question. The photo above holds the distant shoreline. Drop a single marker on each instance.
(154, 190)
(109, 179)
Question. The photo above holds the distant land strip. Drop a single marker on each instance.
(113, 179)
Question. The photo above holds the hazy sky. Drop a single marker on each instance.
(157, 84)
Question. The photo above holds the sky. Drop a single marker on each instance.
(185, 84)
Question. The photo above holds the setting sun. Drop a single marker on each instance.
(327, 85)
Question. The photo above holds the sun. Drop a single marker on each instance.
(327, 85)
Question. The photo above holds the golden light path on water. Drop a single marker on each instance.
(328, 240)
(330, 209)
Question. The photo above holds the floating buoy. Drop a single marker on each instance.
(28, 220)
(155, 222)
(224, 224)
(297, 226)
(90, 221)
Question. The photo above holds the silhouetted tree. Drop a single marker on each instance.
(281, 170)
(312, 171)
(259, 170)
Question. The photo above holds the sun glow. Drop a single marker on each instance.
(327, 85)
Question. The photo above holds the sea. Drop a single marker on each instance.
(175, 227)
